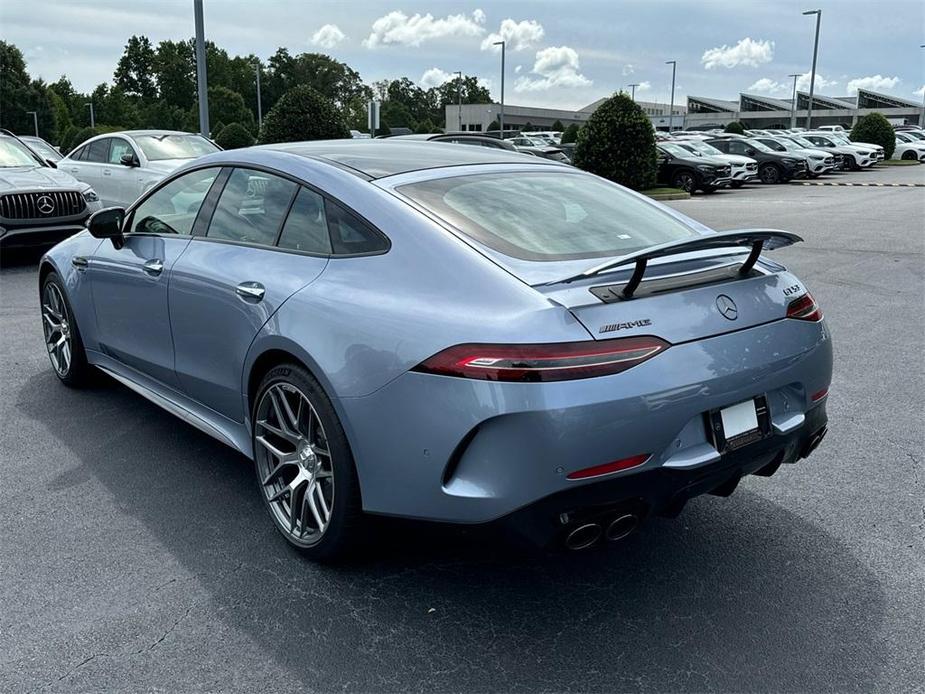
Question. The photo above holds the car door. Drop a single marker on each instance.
(86, 164)
(232, 279)
(129, 280)
(120, 177)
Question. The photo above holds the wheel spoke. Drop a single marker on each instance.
(276, 470)
(325, 511)
(314, 508)
(274, 451)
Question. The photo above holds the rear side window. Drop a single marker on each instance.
(98, 151)
(251, 208)
(79, 154)
(306, 227)
(350, 235)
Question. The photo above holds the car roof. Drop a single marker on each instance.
(388, 157)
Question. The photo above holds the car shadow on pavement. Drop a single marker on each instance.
(736, 594)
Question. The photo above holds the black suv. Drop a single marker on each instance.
(773, 167)
(682, 169)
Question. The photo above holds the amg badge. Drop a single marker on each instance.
(613, 327)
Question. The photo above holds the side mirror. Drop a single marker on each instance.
(107, 224)
(751, 152)
(129, 159)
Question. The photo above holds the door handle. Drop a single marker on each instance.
(80, 262)
(107, 172)
(251, 291)
(153, 267)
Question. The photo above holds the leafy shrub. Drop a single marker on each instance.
(570, 134)
(79, 137)
(234, 136)
(875, 129)
(303, 114)
(618, 143)
(735, 127)
(557, 126)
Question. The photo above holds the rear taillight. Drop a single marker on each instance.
(560, 361)
(608, 468)
(804, 308)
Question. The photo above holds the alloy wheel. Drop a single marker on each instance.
(57, 328)
(769, 174)
(294, 463)
(685, 182)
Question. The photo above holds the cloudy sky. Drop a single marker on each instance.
(562, 54)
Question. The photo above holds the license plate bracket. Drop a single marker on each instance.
(730, 428)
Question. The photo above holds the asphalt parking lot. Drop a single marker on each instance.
(135, 553)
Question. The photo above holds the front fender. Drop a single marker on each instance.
(76, 281)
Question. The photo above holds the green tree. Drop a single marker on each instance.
(19, 95)
(303, 114)
(234, 136)
(134, 73)
(557, 126)
(735, 127)
(875, 129)
(426, 126)
(528, 127)
(397, 115)
(570, 134)
(175, 73)
(62, 116)
(79, 137)
(618, 143)
(226, 106)
(494, 125)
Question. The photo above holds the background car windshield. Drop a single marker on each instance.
(760, 146)
(676, 150)
(157, 147)
(705, 149)
(12, 153)
(43, 149)
(786, 144)
(806, 143)
(547, 216)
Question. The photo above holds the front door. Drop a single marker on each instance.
(129, 284)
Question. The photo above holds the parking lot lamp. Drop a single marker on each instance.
(633, 90)
(201, 81)
(674, 67)
(922, 117)
(458, 74)
(35, 121)
(812, 75)
(259, 102)
(501, 114)
(92, 118)
(793, 103)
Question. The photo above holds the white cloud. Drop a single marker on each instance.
(920, 91)
(767, 86)
(328, 36)
(397, 28)
(628, 70)
(557, 66)
(821, 82)
(434, 78)
(745, 52)
(878, 83)
(516, 35)
(518, 68)
(644, 86)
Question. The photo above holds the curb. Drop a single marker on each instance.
(859, 185)
(668, 196)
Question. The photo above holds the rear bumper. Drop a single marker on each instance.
(464, 451)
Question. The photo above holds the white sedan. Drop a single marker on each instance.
(122, 166)
(908, 147)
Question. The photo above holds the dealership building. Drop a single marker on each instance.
(754, 110)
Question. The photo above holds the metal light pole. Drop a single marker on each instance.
(458, 74)
(35, 120)
(201, 81)
(259, 102)
(674, 67)
(633, 90)
(922, 117)
(812, 76)
(501, 115)
(793, 103)
(92, 118)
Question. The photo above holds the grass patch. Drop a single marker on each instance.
(897, 162)
(661, 193)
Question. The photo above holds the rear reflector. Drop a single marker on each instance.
(819, 394)
(607, 468)
(804, 308)
(560, 361)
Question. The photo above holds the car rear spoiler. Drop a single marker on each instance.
(755, 239)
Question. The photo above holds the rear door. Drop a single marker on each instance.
(86, 164)
(118, 176)
(266, 239)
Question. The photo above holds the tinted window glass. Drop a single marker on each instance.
(119, 147)
(351, 235)
(98, 151)
(306, 228)
(737, 147)
(548, 216)
(173, 208)
(251, 207)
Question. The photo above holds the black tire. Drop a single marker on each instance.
(736, 184)
(770, 174)
(343, 532)
(908, 155)
(686, 180)
(56, 309)
(853, 164)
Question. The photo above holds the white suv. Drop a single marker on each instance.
(122, 166)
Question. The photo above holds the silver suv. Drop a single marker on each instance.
(38, 203)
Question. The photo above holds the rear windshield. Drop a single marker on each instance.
(547, 216)
(157, 147)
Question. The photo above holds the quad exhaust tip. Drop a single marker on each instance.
(613, 529)
(622, 526)
(583, 536)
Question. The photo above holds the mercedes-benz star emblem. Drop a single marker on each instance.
(45, 204)
(727, 307)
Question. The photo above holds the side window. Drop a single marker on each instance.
(251, 207)
(173, 208)
(736, 148)
(79, 154)
(351, 235)
(98, 151)
(118, 148)
(306, 227)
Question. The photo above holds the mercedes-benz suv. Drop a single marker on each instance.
(39, 204)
